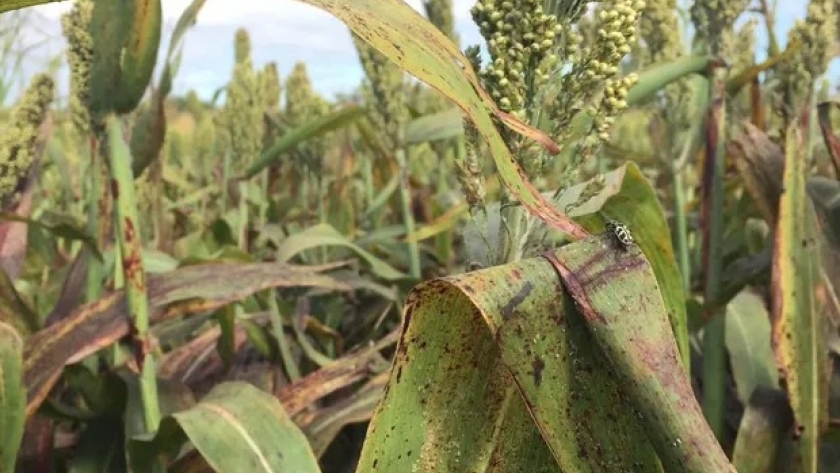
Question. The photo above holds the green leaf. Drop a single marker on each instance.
(764, 430)
(495, 371)
(173, 54)
(139, 53)
(654, 79)
(9, 5)
(147, 135)
(325, 235)
(12, 397)
(748, 343)
(109, 28)
(313, 129)
(236, 428)
(627, 196)
(435, 126)
(618, 295)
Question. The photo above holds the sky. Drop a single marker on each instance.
(284, 31)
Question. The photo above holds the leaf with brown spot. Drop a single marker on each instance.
(627, 196)
(104, 322)
(799, 314)
(502, 375)
(339, 374)
(618, 296)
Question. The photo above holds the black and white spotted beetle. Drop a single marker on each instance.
(620, 234)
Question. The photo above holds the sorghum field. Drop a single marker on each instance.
(609, 243)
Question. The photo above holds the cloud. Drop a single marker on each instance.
(284, 31)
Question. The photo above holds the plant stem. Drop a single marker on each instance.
(128, 236)
(408, 215)
(714, 334)
(95, 196)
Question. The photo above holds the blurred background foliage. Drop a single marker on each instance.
(279, 232)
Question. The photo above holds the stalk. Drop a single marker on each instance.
(128, 236)
(408, 215)
(95, 195)
(714, 336)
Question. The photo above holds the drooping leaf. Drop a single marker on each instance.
(236, 428)
(185, 290)
(415, 45)
(326, 235)
(314, 129)
(760, 162)
(479, 355)
(627, 196)
(617, 294)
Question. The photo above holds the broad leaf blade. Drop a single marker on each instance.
(617, 293)
(480, 357)
(627, 196)
(236, 428)
(435, 126)
(749, 346)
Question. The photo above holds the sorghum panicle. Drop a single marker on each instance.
(18, 142)
(385, 84)
(74, 25)
(816, 35)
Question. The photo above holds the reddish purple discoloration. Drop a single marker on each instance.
(576, 288)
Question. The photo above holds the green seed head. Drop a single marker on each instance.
(74, 25)
(18, 143)
(242, 46)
